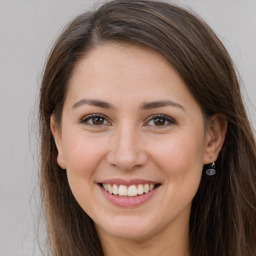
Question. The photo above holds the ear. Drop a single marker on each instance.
(215, 136)
(58, 142)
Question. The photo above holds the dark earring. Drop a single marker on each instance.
(211, 170)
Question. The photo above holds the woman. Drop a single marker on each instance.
(146, 146)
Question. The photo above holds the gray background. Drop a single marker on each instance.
(27, 31)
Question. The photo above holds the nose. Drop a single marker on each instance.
(126, 150)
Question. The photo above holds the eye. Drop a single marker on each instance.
(160, 120)
(95, 120)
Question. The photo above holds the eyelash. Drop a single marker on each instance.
(166, 120)
(91, 118)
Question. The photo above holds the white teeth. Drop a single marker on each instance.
(146, 188)
(122, 190)
(140, 189)
(151, 186)
(115, 189)
(131, 191)
(110, 189)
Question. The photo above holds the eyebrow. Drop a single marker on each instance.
(162, 103)
(97, 103)
(144, 106)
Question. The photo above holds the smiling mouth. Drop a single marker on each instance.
(128, 191)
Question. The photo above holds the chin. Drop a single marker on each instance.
(131, 228)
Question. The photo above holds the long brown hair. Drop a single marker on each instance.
(223, 215)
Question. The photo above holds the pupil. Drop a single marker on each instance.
(159, 121)
(98, 120)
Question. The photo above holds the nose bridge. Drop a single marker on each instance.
(127, 150)
(126, 140)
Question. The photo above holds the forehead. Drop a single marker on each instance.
(115, 71)
(128, 59)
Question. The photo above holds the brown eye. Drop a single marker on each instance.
(160, 121)
(95, 120)
(98, 120)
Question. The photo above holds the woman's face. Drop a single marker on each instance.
(132, 140)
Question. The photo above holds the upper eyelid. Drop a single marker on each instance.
(172, 120)
(94, 115)
(88, 116)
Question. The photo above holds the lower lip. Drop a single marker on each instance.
(129, 201)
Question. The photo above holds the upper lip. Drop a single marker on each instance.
(120, 181)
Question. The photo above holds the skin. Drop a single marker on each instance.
(130, 143)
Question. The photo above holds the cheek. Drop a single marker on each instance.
(180, 158)
(83, 157)
(180, 150)
(83, 153)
